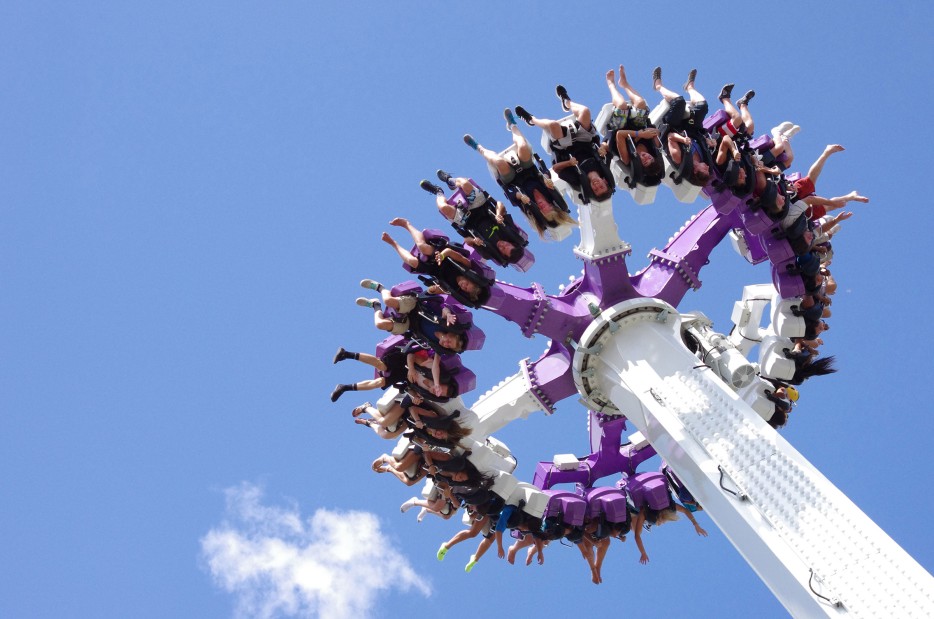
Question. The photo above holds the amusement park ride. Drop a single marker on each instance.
(619, 343)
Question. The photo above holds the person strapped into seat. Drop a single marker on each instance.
(631, 136)
(682, 132)
(482, 221)
(578, 156)
(431, 320)
(457, 270)
(527, 186)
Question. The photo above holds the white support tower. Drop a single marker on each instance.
(817, 552)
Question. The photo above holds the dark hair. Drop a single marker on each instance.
(821, 367)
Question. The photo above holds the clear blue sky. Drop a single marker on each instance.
(190, 192)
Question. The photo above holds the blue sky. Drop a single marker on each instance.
(190, 193)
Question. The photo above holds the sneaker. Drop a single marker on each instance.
(524, 115)
(431, 188)
(726, 92)
(338, 392)
(447, 179)
(408, 505)
(656, 77)
(792, 132)
(443, 550)
(341, 355)
(510, 119)
(371, 284)
(562, 93)
(469, 141)
(371, 303)
(746, 98)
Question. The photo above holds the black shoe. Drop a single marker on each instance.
(656, 77)
(431, 188)
(726, 92)
(341, 355)
(691, 76)
(521, 113)
(339, 391)
(562, 93)
(447, 179)
(746, 98)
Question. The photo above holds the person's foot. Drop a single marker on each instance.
(610, 76)
(783, 127)
(422, 514)
(370, 303)
(855, 197)
(431, 188)
(339, 391)
(399, 222)
(524, 115)
(364, 422)
(792, 132)
(386, 238)
(371, 284)
(341, 355)
(834, 148)
(511, 554)
(379, 464)
(623, 82)
(443, 550)
(657, 78)
(562, 93)
(471, 563)
(510, 119)
(408, 505)
(469, 141)
(447, 179)
(746, 98)
(726, 92)
(690, 83)
(359, 410)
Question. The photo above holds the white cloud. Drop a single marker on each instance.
(332, 565)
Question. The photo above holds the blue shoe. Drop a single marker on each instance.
(472, 143)
(510, 119)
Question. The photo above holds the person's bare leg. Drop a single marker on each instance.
(553, 127)
(747, 118)
(695, 97)
(638, 101)
(667, 94)
(405, 254)
(602, 547)
(371, 360)
(582, 114)
(731, 110)
(523, 149)
(493, 158)
(619, 102)
(417, 235)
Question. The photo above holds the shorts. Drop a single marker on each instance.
(804, 187)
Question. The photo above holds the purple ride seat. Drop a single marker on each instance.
(570, 506)
(463, 377)
(649, 489)
(715, 120)
(756, 222)
(778, 250)
(607, 501)
(762, 143)
(787, 284)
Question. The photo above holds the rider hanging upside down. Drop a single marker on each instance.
(450, 264)
(484, 224)
(524, 184)
(579, 157)
(683, 137)
(631, 135)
